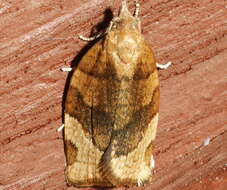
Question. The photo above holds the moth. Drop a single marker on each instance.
(111, 109)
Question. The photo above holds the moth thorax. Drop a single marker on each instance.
(127, 49)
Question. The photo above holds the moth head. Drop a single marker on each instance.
(125, 19)
(125, 36)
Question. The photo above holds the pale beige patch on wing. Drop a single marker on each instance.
(128, 47)
(122, 69)
(84, 171)
(133, 167)
(123, 59)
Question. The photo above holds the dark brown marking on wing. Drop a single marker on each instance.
(96, 64)
(96, 123)
(102, 126)
(128, 138)
(146, 64)
(71, 152)
(76, 107)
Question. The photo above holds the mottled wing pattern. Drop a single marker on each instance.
(135, 112)
(110, 123)
(88, 126)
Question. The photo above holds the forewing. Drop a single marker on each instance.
(87, 123)
(128, 155)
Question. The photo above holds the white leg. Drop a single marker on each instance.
(60, 128)
(152, 162)
(91, 38)
(137, 10)
(164, 66)
(110, 26)
(100, 34)
(139, 183)
(115, 19)
(66, 69)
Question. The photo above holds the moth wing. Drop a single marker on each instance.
(127, 159)
(87, 125)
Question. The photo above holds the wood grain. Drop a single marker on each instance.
(37, 38)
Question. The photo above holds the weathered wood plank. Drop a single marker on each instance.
(37, 38)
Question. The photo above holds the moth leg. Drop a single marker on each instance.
(163, 66)
(140, 183)
(152, 162)
(91, 38)
(137, 10)
(98, 35)
(66, 69)
(110, 26)
(60, 128)
(115, 19)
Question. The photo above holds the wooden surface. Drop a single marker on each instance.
(37, 38)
